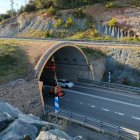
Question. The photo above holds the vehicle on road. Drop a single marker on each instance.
(65, 83)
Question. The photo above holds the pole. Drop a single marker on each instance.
(56, 107)
(109, 77)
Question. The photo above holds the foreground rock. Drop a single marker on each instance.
(14, 125)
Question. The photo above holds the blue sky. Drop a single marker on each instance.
(5, 5)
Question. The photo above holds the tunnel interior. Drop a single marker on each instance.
(71, 64)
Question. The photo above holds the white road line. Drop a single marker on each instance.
(81, 103)
(119, 113)
(103, 98)
(105, 109)
(96, 88)
(92, 106)
(137, 118)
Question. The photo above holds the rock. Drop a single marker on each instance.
(19, 130)
(8, 109)
(14, 125)
(78, 138)
(5, 120)
(53, 135)
(35, 121)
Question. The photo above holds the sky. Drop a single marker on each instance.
(5, 5)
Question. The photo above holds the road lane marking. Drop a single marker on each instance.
(92, 106)
(96, 89)
(81, 103)
(119, 113)
(104, 109)
(137, 118)
(103, 98)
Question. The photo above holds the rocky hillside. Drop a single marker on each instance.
(14, 125)
(89, 22)
(122, 62)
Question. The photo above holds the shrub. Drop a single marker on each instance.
(79, 13)
(29, 8)
(125, 81)
(109, 5)
(113, 5)
(89, 22)
(69, 22)
(51, 10)
(112, 22)
(4, 16)
(47, 33)
(136, 2)
(58, 23)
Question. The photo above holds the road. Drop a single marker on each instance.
(83, 42)
(106, 105)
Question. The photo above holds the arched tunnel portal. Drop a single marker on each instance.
(71, 64)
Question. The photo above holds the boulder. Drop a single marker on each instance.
(53, 135)
(14, 125)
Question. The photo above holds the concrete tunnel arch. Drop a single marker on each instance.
(71, 64)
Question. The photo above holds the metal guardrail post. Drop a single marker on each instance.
(70, 116)
(84, 120)
(138, 137)
(100, 126)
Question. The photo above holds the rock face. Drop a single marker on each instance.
(115, 32)
(98, 66)
(26, 24)
(127, 17)
(122, 62)
(14, 125)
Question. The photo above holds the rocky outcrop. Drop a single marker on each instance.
(127, 17)
(14, 125)
(98, 66)
(122, 62)
(26, 24)
(115, 32)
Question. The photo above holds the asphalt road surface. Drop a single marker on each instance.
(106, 105)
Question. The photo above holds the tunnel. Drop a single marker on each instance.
(71, 64)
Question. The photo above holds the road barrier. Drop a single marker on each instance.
(110, 85)
(95, 124)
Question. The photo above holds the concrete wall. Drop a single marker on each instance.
(73, 72)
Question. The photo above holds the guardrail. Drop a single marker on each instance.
(111, 85)
(95, 124)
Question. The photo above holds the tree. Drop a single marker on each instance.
(113, 22)
(58, 23)
(47, 33)
(51, 10)
(11, 13)
(40, 4)
(30, 7)
(69, 22)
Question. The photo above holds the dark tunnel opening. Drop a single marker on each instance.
(70, 63)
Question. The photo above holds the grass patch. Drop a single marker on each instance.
(13, 63)
(92, 52)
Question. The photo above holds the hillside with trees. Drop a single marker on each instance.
(80, 19)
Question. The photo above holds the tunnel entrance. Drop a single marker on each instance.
(70, 61)
(70, 65)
